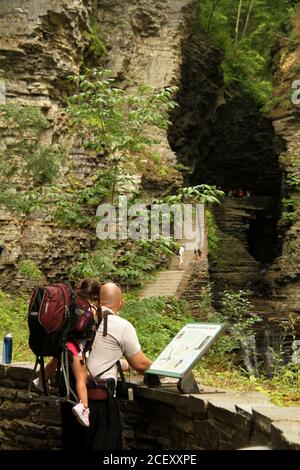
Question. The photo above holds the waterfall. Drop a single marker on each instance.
(249, 354)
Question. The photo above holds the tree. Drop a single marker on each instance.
(237, 26)
(247, 19)
(117, 125)
(214, 5)
(247, 31)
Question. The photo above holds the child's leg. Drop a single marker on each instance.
(80, 375)
(51, 368)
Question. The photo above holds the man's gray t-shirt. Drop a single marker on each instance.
(121, 340)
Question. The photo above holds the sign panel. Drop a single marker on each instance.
(184, 351)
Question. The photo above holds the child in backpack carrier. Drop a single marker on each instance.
(78, 348)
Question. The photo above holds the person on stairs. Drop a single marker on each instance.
(180, 255)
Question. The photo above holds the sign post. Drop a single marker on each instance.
(181, 354)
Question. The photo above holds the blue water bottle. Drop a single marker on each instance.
(7, 349)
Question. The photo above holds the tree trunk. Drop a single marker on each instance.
(237, 27)
(214, 6)
(247, 19)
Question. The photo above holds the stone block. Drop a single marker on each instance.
(8, 393)
(54, 432)
(160, 425)
(180, 440)
(2, 371)
(285, 435)
(49, 415)
(22, 395)
(30, 429)
(226, 413)
(181, 423)
(145, 392)
(244, 409)
(198, 406)
(174, 399)
(206, 435)
(12, 383)
(10, 409)
(19, 372)
(31, 442)
(265, 416)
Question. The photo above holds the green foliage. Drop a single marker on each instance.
(129, 266)
(43, 163)
(29, 270)
(112, 124)
(157, 320)
(236, 314)
(206, 308)
(26, 118)
(237, 311)
(290, 203)
(212, 235)
(13, 319)
(96, 46)
(117, 124)
(202, 193)
(247, 40)
(26, 164)
(293, 181)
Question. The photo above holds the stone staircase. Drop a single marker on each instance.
(186, 283)
(166, 284)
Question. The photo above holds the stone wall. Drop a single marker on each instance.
(158, 418)
(25, 423)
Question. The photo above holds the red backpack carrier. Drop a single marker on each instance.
(55, 315)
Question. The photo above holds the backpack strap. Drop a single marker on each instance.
(105, 313)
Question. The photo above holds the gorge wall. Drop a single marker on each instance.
(41, 44)
(229, 142)
(284, 275)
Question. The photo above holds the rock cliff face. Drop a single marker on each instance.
(41, 44)
(227, 142)
(284, 275)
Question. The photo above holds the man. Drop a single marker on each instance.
(105, 431)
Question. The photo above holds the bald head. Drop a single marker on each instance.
(111, 297)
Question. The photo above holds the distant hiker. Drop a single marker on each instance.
(115, 337)
(241, 193)
(78, 348)
(180, 255)
(198, 253)
(230, 193)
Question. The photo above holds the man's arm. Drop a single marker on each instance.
(139, 362)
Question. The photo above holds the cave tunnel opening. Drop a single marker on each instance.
(262, 237)
(227, 141)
